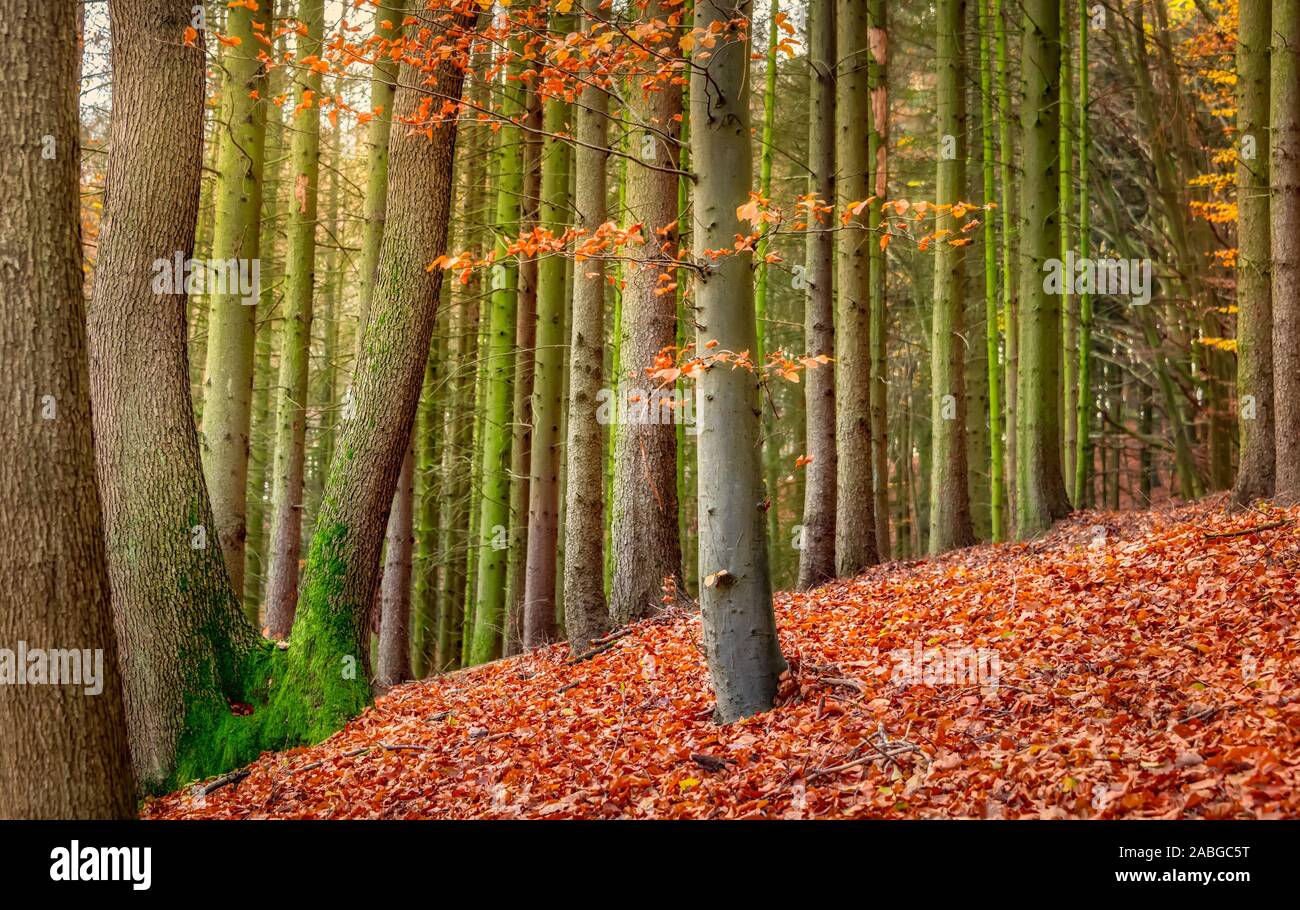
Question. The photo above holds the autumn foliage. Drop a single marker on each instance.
(1147, 670)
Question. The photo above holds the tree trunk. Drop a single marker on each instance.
(295, 346)
(1254, 299)
(817, 550)
(991, 310)
(1040, 486)
(232, 318)
(740, 641)
(950, 517)
(855, 523)
(1083, 400)
(1285, 181)
(646, 547)
(180, 628)
(548, 382)
(323, 684)
(65, 749)
(586, 616)
(395, 589)
(878, 154)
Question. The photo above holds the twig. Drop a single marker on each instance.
(399, 747)
(233, 777)
(1242, 532)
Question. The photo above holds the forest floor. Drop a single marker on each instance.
(1149, 666)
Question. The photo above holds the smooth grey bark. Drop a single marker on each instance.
(740, 641)
(395, 588)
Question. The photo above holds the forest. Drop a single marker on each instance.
(650, 409)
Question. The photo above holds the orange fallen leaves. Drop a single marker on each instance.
(1147, 670)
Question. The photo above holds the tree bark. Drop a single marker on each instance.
(740, 641)
(65, 751)
(855, 525)
(395, 589)
(817, 551)
(586, 615)
(644, 535)
(1285, 182)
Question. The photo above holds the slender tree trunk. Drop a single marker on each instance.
(65, 751)
(950, 516)
(1285, 182)
(586, 616)
(232, 318)
(1040, 486)
(991, 310)
(295, 346)
(1254, 298)
(646, 547)
(1069, 321)
(878, 153)
(1083, 400)
(817, 550)
(855, 524)
(395, 589)
(1010, 271)
(548, 382)
(494, 505)
(740, 641)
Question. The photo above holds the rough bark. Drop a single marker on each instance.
(586, 615)
(817, 551)
(950, 515)
(644, 519)
(65, 752)
(1284, 179)
(1254, 295)
(855, 526)
(182, 635)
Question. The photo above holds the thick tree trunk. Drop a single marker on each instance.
(644, 536)
(295, 346)
(817, 551)
(950, 517)
(180, 628)
(740, 641)
(585, 613)
(855, 524)
(65, 751)
(232, 318)
(324, 681)
(1285, 181)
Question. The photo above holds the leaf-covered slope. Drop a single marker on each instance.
(1148, 668)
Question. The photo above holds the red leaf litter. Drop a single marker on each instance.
(1146, 668)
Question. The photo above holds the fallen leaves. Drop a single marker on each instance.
(1148, 673)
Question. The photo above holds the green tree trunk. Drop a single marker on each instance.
(1084, 400)
(548, 380)
(1040, 486)
(992, 338)
(295, 346)
(950, 516)
(232, 318)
